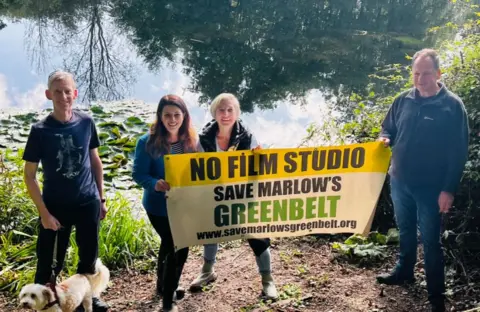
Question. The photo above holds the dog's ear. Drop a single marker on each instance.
(47, 294)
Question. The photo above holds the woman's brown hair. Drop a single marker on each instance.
(157, 143)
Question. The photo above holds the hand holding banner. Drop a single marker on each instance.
(223, 196)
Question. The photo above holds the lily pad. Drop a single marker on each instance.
(126, 175)
(123, 185)
(111, 124)
(121, 141)
(137, 131)
(116, 132)
(118, 158)
(106, 160)
(103, 135)
(104, 151)
(109, 175)
(6, 122)
(134, 121)
(16, 137)
(115, 165)
(96, 109)
(129, 150)
(132, 142)
(30, 117)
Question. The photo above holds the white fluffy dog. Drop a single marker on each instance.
(77, 289)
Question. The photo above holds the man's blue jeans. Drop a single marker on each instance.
(412, 204)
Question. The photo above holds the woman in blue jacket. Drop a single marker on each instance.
(171, 133)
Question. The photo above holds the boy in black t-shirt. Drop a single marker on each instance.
(66, 143)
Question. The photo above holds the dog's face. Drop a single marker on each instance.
(35, 296)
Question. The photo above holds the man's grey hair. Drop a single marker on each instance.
(60, 75)
(431, 53)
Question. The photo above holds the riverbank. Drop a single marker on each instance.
(309, 275)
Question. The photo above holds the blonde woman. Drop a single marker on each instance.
(226, 133)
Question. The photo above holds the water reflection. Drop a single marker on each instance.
(263, 50)
(268, 50)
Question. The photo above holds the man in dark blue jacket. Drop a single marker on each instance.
(427, 128)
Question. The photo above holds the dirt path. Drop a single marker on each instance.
(307, 277)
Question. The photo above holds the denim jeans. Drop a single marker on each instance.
(412, 205)
(263, 261)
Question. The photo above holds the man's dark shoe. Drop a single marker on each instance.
(80, 309)
(99, 305)
(394, 279)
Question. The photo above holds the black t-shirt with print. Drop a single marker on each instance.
(64, 152)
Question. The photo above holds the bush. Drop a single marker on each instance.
(17, 211)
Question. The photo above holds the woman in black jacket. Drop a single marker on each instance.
(227, 133)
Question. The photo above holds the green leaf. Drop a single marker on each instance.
(97, 109)
(128, 149)
(111, 124)
(30, 117)
(377, 238)
(103, 136)
(118, 158)
(21, 233)
(116, 132)
(370, 250)
(121, 141)
(113, 166)
(103, 150)
(355, 239)
(134, 121)
(393, 236)
(132, 142)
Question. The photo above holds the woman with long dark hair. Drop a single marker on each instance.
(171, 133)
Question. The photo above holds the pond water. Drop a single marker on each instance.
(284, 59)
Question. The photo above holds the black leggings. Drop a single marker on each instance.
(86, 219)
(173, 261)
(259, 245)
